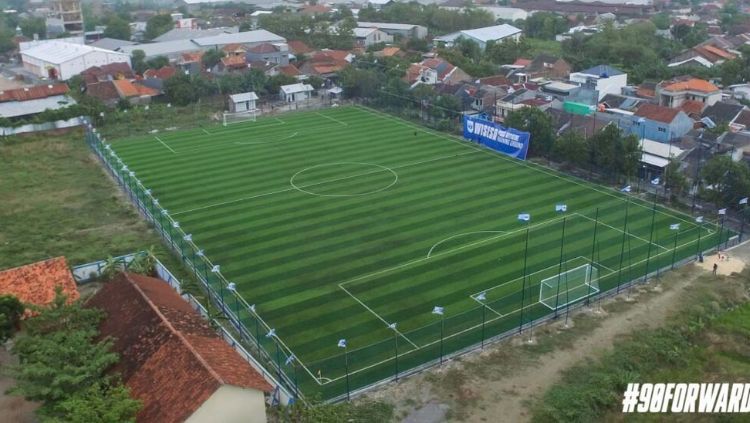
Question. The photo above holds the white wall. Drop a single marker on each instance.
(94, 58)
(230, 404)
(611, 85)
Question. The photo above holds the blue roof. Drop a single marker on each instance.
(602, 71)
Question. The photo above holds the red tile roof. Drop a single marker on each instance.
(658, 113)
(298, 47)
(390, 51)
(127, 89)
(290, 70)
(170, 357)
(110, 71)
(522, 62)
(263, 49)
(191, 57)
(315, 9)
(496, 80)
(692, 107)
(323, 55)
(35, 283)
(165, 72)
(235, 62)
(32, 93)
(233, 48)
(692, 84)
(104, 91)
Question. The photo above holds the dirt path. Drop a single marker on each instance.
(497, 384)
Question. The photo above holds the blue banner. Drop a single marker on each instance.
(508, 141)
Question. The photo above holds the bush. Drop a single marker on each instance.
(11, 311)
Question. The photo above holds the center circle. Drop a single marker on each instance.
(344, 179)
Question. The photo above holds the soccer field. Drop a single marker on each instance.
(338, 223)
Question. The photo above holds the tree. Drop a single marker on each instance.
(99, 402)
(32, 26)
(726, 181)
(139, 61)
(211, 58)
(571, 148)
(179, 90)
(662, 20)
(11, 311)
(538, 124)
(544, 25)
(158, 25)
(157, 62)
(674, 179)
(117, 28)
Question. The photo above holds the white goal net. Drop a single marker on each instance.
(570, 286)
(229, 118)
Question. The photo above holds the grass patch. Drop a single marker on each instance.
(58, 202)
(706, 340)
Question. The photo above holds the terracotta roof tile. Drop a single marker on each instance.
(104, 91)
(263, 49)
(170, 358)
(298, 47)
(233, 48)
(35, 283)
(234, 61)
(32, 93)
(390, 51)
(164, 72)
(127, 89)
(692, 84)
(692, 107)
(290, 70)
(522, 62)
(658, 113)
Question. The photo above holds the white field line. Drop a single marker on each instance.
(204, 131)
(621, 231)
(499, 156)
(387, 323)
(356, 175)
(165, 144)
(332, 119)
(429, 253)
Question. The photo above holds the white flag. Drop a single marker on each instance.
(674, 226)
(699, 219)
(743, 200)
(482, 296)
(438, 310)
(289, 360)
(655, 181)
(722, 211)
(342, 343)
(626, 188)
(215, 269)
(271, 333)
(524, 217)
(561, 208)
(392, 326)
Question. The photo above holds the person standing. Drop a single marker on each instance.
(716, 267)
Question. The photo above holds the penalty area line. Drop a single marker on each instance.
(165, 144)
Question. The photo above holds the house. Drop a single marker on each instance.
(108, 72)
(192, 62)
(542, 66)
(390, 52)
(134, 92)
(104, 91)
(481, 36)
(656, 156)
(399, 30)
(291, 70)
(740, 91)
(172, 360)
(62, 60)
(709, 53)
(255, 17)
(516, 99)
(435, 71)
(742, 121)
(36, 283)
(298, 48)
(365, 37)
(28, 101)
(326, 63)
(379, 4)
(660, 123)
(613, 103)
(229, 64)
(723, 112)
(242, 102)
(673, 93)
(603, 78)
(293, 93)
(276, 53)
(315, 9)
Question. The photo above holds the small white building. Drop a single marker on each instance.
(365, 37)
(397, 29)
(296, 92)
(62, 61)
(242, 102)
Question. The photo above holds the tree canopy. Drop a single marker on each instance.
(158, 25)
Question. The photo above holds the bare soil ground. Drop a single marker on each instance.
(13, 408)
(497, 384)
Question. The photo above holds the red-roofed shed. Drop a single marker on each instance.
(36, 283)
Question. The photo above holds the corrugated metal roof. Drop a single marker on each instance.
(162, 49)
(296, 88)
(11, 109)
(247, 37)
(238, 98)
(59, 52)
(387, 25)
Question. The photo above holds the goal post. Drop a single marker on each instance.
(570, 286)
(229, 118)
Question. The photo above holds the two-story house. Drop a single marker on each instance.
(673, 93)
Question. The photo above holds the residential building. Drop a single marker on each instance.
(61, 60)
(542, 66)
(656, 156)
(603, 78)
(481, 36)
(69, 12)
(276, 53)
(298, 48)
(104, 91)
(108, 72)
(673, 93)
(435, 71)
(326, 63)
(397, 29)
(723, 112)
(365, 37)
(36, 283)
(659, 123)
(379, 4)
(295, 93)
(172, 360)
(242, 102)
(134, 92)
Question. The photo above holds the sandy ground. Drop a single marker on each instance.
(12, 408)
(501, 395)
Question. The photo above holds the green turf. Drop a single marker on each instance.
(335, 223)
